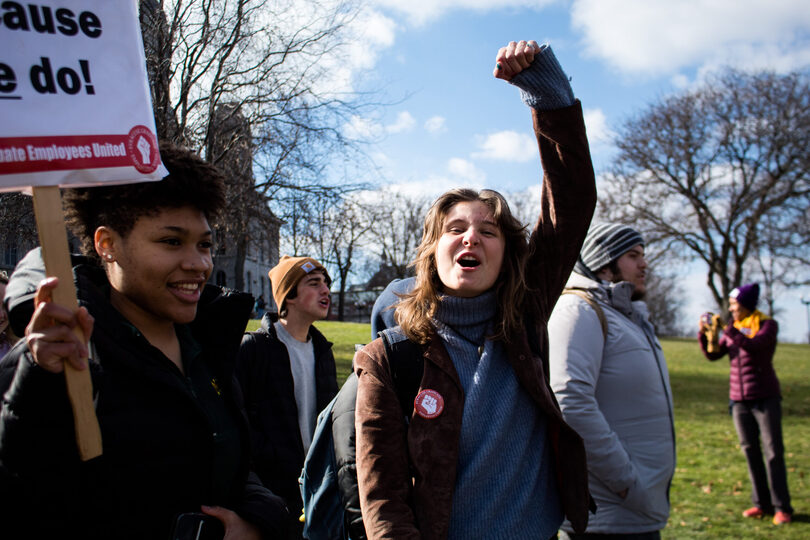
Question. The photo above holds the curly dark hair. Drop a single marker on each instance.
(191, 182)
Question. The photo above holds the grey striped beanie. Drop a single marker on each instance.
(604, 244)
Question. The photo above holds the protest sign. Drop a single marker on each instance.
(76, 111)
(74, 96)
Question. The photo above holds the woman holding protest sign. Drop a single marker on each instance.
(161, 348)
(483, 452)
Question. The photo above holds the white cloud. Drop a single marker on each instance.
(369, 35)
(507, 146)
(381, 159)
(649, 37)
(404, 122)
(419, 12)
(596, 126)
(367, 129)
(377, 29)
(435, 124)
(430, 186)
(465, 170)
(362, 129)
(459, 173)
(680, 81)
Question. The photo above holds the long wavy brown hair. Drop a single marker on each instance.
(416, 309)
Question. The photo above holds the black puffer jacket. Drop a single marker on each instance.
(171, 442)
(263, 372)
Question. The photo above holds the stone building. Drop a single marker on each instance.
(260, 256)
(247, 232)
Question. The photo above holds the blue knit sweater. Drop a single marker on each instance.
(506, 487)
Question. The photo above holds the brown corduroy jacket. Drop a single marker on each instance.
(407, 475)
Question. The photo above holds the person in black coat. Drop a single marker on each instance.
(161, 351)
(287, 374)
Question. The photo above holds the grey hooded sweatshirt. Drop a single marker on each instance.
(614, 391)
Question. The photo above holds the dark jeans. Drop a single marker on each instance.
(763, 418)
(653, 535)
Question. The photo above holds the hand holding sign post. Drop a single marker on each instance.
(74, 99)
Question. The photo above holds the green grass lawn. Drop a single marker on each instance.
(711, 488)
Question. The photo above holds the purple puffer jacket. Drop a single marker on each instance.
(752, 375)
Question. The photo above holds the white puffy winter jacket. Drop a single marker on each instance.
(614, 390)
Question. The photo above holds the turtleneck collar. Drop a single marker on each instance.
(470, 317)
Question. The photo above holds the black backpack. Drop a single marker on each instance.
(328, 480)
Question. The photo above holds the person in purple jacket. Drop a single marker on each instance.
(749, 340)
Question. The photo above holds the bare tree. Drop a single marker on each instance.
(296, 234)
(245, 83)
(525, 206)
(305, 211)
(665, 300)
(263, 57)
(321, 221)
(721, 174)
(349, 225)
(18, 231)
(158, 49)
(396, 230)
(336, 231)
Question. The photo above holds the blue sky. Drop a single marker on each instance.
(455, 124)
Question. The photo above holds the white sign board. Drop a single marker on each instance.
(75, 107)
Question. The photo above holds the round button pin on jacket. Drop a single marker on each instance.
(428, 404)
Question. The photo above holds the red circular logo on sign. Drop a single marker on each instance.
(429, 404)
(142, 149)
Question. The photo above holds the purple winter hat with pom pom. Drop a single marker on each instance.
(746, 295)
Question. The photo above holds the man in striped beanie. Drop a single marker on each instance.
(600, 337)
(614, 253)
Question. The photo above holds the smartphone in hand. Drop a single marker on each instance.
(197, 526)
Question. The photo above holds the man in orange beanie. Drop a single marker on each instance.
(287, 373)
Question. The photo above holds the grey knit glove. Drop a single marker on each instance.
(544, 85)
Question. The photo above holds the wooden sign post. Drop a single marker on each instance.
(55, 253)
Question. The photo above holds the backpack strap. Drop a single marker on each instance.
(320, 492)
(329, 478)
(344, 443)
(585, 295)
(406, 364)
